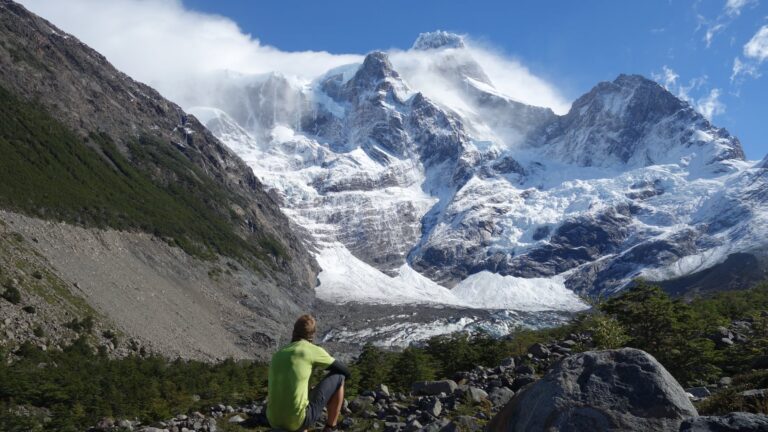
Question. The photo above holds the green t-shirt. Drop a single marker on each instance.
(288, 390)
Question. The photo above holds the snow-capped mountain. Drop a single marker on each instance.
(476, 199)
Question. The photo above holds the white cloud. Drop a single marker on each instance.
(167, 46)
(711, 32)
(668, 77)
(757, 47)
(710, 105)
(182, 53)
(731, 10)
(743, 68)
(734, 7)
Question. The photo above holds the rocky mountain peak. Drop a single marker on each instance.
(438, 40)
(633, 97)
(375, 67)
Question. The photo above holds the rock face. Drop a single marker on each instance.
(615, 390)
(733, 422)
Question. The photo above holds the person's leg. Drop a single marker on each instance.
(334, 406)
(320, 397)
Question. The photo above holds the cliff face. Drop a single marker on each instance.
(86, 145)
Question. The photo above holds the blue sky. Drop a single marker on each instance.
(573, 45)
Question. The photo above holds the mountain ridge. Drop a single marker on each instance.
(603, 176)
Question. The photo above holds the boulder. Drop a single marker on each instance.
(613, 390)
(434, 388)
(733, 422)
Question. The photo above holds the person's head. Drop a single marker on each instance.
(304, 328)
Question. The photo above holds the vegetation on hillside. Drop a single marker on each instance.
(47, 171)
(77, 386)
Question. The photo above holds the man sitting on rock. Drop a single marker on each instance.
(291, 406)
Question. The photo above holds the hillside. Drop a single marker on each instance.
(135, 206)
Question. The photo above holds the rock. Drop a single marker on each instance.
(699, 392)
(522, 381)
(462, 424)
(597, 391)
(361, 402)
(508, 363)
(476, 395)
(413, 426)
(525, 369)
(725, 382)
(500, 396)
(432, 407)
(755, 394)
(539, 351)
(236, 419)
(434, 388)
(733, 422)
(383, 390)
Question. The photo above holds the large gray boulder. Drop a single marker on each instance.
(733, 422)
(614, 390)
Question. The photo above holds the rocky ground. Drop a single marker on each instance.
(552, 387)
(137, 286)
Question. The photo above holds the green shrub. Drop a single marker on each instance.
(12, 294)
(607, 332)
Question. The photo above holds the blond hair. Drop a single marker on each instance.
(304, 328)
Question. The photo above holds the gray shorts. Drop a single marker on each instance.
(319, 397)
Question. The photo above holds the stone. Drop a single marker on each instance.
(500, 396)
(383, 390)
(236, 419)
(755, 394)
(413, 426)
(733, 422)
(522, 381)
(360, 403)
(725, 382)
(525, 369)
(433, 388)
(463, 424)
(432, 407)
(539, 351)
(476, 395)
(597, 391)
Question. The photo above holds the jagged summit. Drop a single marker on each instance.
(437, 40)
(376, 67)
(764, 163)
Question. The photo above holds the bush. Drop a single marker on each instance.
(607, 332)
(12, 294)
